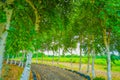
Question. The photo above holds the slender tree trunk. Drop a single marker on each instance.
(80, 48)
(93, 58)
(53, 58)
(7, 59)
(80, 62)
(88, 66)
(58, 57)
(37, 21)
(107, 42)
(3, 37)
(108, 64)
(37, 58)
(15, 60)
(71, 61)
(42, 59)
(12, 61)
(26, 72)
(22, 64)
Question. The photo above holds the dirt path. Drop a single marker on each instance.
(54, 73)
(99, 69)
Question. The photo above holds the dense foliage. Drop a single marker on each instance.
(62, 24)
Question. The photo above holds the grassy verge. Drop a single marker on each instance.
(12, 72)
(100, 62)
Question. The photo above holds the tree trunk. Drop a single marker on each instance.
(80, 62)
(26, 72)
(107, 42)
(71, 61)
(42, 59)
(20, 61)
(7, 59)
(58, 57)
(37, 58)
(37, 21)
(80, 48)
(88, 66)
(108, 64)
(3, 38)
(15, 62)
(12, 61)
(22, 65)
(93, 58)
(53, 58)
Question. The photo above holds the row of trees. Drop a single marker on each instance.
(32, 25)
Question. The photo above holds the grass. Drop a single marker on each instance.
(99, 61)
(12, 72)
(100, 65)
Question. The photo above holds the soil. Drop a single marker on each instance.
(54, 73)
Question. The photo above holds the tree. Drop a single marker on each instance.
(5, 24)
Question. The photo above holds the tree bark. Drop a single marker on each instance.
(37, 58)
(7, 59)
(88, 66)
(58, 57)
(26, 72)
(12, 61)
(37, 21)
(22, 65)
(80, 53)
(3, 37)
(53, 58)
(42, 58)
(71, 61)
(80, 61)
(93, 58)
(107, 42)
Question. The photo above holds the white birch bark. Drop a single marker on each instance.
(93, 57)
(53, 58)
(7, 59)
(93, 60)
(108, 64)
(20, 63)
(37, 58)
(80, 53)
(23, 57)
(3, 37)
(12, 61)
(88, 65)
(71, 61)
(26, 72)
(58, 57)
(107, 42)
(80, 61)
(15, 62)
